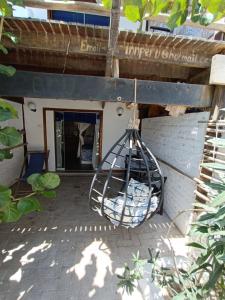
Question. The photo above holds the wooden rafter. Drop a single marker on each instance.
(96, 41)
(113, 37)
(212, 154)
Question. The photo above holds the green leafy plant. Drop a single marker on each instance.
(12, 208)
(10, 137)
(6, 10)
(205, 275)
(130, 276)
(202, 11)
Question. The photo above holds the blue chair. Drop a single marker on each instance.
(34, 162)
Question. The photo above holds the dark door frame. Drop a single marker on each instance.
(45, 109)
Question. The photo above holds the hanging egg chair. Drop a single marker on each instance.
(135, 196)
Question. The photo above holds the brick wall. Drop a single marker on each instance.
(10, 169)
(179, 142)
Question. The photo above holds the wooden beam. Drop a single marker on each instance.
(92, 88)
(113, 36)
(97, 9)
(93, 66)
(96, 46)
(116, 68)
(200, 77)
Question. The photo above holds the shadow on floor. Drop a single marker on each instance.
(69, 252)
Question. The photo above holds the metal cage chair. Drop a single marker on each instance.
(133, 196)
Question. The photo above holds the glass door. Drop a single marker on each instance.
(59, 141)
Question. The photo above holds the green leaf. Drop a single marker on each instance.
(28, 205)
(49, 180)
(13, 38)
(5, 196)
(5, 8)
(204, 266)
(214, 166)
(206, 19)
(206, 216)
(3, 49)
(218, 200)
(215, 7)
(133, 9)
(157, 6)
(219, 187)
(49, 194)
(196, 245)
(217, 142)
(5, 154)
(221, 213)
(7, 70)
(214, 276)
(199, 230)
(195, 12)
(7, 111)
(221, 223)
(222, 258)
(9, 136)
(11, 213)
(203, 258)
(33, 180)
(107, 4)
(216, 244)
(132, 13)
(178, 13)
(41, 182)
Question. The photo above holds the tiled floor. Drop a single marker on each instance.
(69, 252)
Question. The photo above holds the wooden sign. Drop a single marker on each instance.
(161, 54)
(96, 46)
(149, 53)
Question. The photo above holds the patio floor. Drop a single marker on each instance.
(69, 252)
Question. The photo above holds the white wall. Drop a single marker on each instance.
(30, 12)
(113, 125)
(179, 141)
(10, 168)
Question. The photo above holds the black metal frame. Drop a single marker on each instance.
(130, 143)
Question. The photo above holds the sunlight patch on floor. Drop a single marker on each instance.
(16, 276)
(42, 247)
(101, 253)
(10, 252)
